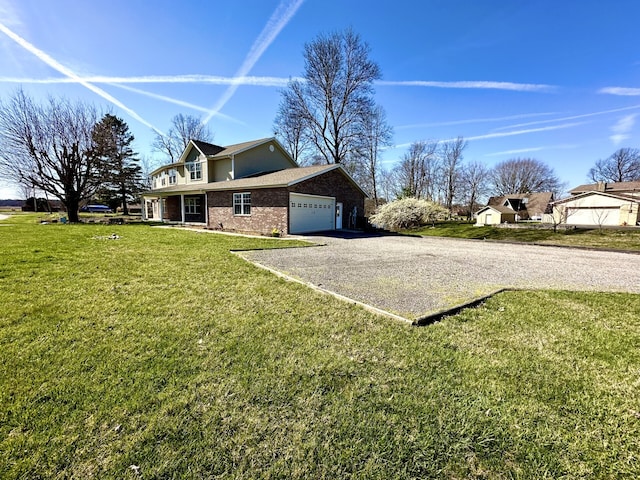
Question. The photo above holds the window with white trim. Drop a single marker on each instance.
(195, 170)
(173, 176)
(192, 205)
(242, 203)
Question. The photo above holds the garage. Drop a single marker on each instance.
(311, 213)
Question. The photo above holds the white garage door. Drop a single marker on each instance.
(593, 216)
(311, 213)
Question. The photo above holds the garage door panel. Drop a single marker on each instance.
(311, 213)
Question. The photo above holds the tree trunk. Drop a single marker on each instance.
(125, 208)
(72, 202)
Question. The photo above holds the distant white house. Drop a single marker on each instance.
(600, 204)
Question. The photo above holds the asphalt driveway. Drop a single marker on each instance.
(414, 277)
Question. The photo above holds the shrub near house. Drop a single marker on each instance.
(408, 213)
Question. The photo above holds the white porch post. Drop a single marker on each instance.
(161, 208)
(144, 209)
(182, 206)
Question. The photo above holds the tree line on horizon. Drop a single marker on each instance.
(70, 151)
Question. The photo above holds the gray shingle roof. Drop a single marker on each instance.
(207, 148)
(612, 187)
(281, 178)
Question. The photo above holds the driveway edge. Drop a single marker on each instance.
(289, 278)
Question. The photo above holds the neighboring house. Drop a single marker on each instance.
(252, 187)
(514, 208)
(600, 204)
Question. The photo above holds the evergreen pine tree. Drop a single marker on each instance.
(122, 173)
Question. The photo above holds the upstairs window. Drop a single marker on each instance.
(242, 203)
(173, 176)
(195, 170)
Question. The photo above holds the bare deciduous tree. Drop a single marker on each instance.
(289, 128)
(375, 135)
(451, 153)
(183, 128)
(335, 94)
(417, 171)
(622, 166)
(474, 183)
(50, 148)
(524, 175)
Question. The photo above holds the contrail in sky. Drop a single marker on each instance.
(506, 134)
(175, 101)
(283, 14)
(46, 58)
(519, 87)
(167, 79)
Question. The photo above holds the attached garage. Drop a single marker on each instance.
(311, 213)
(598, 208)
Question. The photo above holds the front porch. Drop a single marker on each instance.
(176, 208)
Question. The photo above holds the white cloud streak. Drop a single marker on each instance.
(573, 117)
(621, 91)
(518, 87)
(51, 62)
(279, 19)
(530, 149)
(474, 120)
(165, 79)
(521, 132)
(622, 128)
(175, 101)
(489, 136)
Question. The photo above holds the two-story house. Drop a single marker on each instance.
(252, 187)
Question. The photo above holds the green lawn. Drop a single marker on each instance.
(623, 239)
(161, 355)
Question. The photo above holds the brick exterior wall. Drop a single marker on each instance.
(269, 210)
(173, 209)
(334, 184)
(270, 206)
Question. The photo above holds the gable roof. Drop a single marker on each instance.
(619, 196)
(207, 149)
(496, 208)
(215, 152)
(535, 202)
(281, 178)
(611, 187)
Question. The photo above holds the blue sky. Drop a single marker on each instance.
(554, 80)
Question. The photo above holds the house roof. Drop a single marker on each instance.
(535, 202)
(281, 178)
(497, 208)
(241, 147)
(619, 196)
(207, 149)
(217, 152)
(609, 187)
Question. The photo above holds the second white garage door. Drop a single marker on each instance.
(311, 213)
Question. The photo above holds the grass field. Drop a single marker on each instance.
(161, 355)
(618, 239)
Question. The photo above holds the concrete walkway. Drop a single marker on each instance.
(414, 277)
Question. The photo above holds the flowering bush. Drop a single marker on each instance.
(407, 213)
